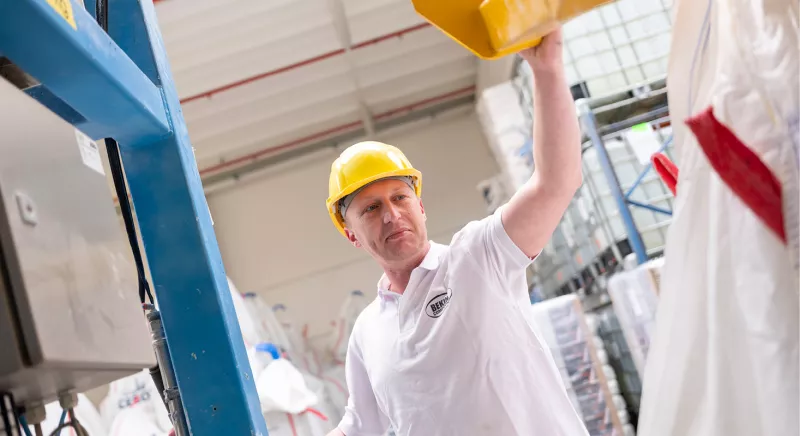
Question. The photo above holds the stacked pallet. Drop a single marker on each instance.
(561, 322)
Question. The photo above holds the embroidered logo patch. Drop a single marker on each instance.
(438, 304)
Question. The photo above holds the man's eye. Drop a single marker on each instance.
(401, 196)
(371, 207)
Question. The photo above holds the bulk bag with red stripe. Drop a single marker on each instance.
(353, 305)
(724, 356)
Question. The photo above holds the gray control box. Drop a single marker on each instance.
(70, 317)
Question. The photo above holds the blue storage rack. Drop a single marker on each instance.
(594, 133)
(119, 85)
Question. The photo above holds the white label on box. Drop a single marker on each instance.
(644, 142)
(90, 153)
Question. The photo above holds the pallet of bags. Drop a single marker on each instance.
(561, 323)
(634, 295)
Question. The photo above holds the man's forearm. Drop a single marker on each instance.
(556, 133)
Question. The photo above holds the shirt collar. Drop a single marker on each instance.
(430, 263)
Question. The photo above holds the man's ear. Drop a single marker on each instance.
(422, 206)
(352, 237)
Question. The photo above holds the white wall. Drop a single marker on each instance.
(276, 237)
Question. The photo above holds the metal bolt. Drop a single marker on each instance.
(27, 209)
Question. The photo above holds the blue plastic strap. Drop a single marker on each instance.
(269, 347)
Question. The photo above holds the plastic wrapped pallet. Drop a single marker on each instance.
(562, 325)
(724, 357)
(508, 132)
(634, 295)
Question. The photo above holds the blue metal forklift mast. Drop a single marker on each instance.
(122, 87)
(589, 124)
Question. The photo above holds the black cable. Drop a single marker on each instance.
(57, 430)
(117, 174)
(115, 162)
(7, 428)
(73, 419)
(9, 405)
(101, 14)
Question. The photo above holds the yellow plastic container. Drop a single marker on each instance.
(496, 28)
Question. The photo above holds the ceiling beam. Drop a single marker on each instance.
(339, 16)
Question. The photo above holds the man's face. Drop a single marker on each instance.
(388, 220)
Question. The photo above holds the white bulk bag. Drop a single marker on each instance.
(263, 314)
(336, 388)
(304, 424)
(252, 331)
(353, 305)
(281, 387)
(724, 356)
(135, 392)
(136, 421)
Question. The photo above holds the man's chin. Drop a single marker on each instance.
(402, 250)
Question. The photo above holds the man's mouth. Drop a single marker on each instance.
(396, 234)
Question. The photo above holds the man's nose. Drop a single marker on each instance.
(391, 213)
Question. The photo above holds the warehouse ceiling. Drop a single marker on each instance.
(258, 78)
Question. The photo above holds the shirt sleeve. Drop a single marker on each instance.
(362, 415)
(489, 245)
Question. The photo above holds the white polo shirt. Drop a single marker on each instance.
(457, 353)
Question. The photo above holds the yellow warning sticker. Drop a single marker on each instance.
(64, 8)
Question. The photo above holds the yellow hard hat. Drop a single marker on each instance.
(361, 164)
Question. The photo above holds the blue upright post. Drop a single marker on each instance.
(124, 90)
(590, 129)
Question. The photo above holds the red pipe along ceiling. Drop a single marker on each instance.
(338, 129)
(320, 58)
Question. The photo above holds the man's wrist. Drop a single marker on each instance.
(548, 74)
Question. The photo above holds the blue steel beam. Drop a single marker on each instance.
(589, 124)
(83, 67)
(204, 338)
(649, 207)
(136, 103)
(638, 180)
(646, 169)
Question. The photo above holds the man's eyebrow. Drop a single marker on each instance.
(373, 197)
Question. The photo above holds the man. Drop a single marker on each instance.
(447, 348)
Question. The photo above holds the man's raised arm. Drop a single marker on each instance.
(536, 209)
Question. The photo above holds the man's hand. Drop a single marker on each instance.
(548, 55)
(533, 213)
